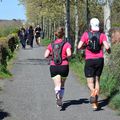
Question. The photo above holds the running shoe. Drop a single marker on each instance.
(58, 100)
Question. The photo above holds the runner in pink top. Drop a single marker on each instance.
(64, 54)
(59, 72)
(94, 58)
(88, 53)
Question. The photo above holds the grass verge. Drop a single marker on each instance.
(45, 41)
(77, 66)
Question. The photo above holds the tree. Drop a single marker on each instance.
(54, 11)
(76, 27)
(67, 21)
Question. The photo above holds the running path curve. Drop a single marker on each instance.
(30, 94)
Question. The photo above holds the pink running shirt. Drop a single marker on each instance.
(88, 53)
(64, 54)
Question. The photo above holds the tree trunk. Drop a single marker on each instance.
(67, 21)
(76, 27)
(87, 13)
(107, 26)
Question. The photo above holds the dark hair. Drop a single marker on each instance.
(31, 27)
(59, 32)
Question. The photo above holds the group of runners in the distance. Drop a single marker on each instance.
(27, 35)
(94, 41)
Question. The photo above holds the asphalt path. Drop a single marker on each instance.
(29, 95)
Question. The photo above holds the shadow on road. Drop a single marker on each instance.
(68, 103)
(33, 62)
(39, 61)
(74, 102)
(3, 114)
(103, 103)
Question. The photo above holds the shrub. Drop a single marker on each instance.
(115, 102)
(12, 42)
(4, 32)
(7, 48)
(108, 83)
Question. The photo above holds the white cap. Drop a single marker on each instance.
(38, 25)
(94, 23)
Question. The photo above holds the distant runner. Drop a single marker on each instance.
(22, 36)
(30, 35)
(37, 34)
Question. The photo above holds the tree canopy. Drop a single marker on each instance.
(39, 11)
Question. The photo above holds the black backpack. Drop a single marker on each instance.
(57, 52)
(94, 42)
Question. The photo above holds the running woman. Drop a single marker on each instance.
(59, 72)
(94, 61)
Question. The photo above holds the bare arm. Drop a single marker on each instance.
(80, 44)
(47, 53)
(107, 47)
(68, 52)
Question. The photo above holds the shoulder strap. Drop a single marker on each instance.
(97, 34)
(90, 34)
(52, 44)
(61, 43)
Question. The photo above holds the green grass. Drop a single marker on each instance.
(10, 62)
(110, 88)
(116, 102)
(77, 66)
(4, 75)
(45, 41)
(5, 72)
(108, 84)
(5, 31)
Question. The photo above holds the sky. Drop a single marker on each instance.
(10, 9)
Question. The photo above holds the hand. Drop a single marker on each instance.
(108, 50)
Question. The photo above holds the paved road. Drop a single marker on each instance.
(30, 94)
